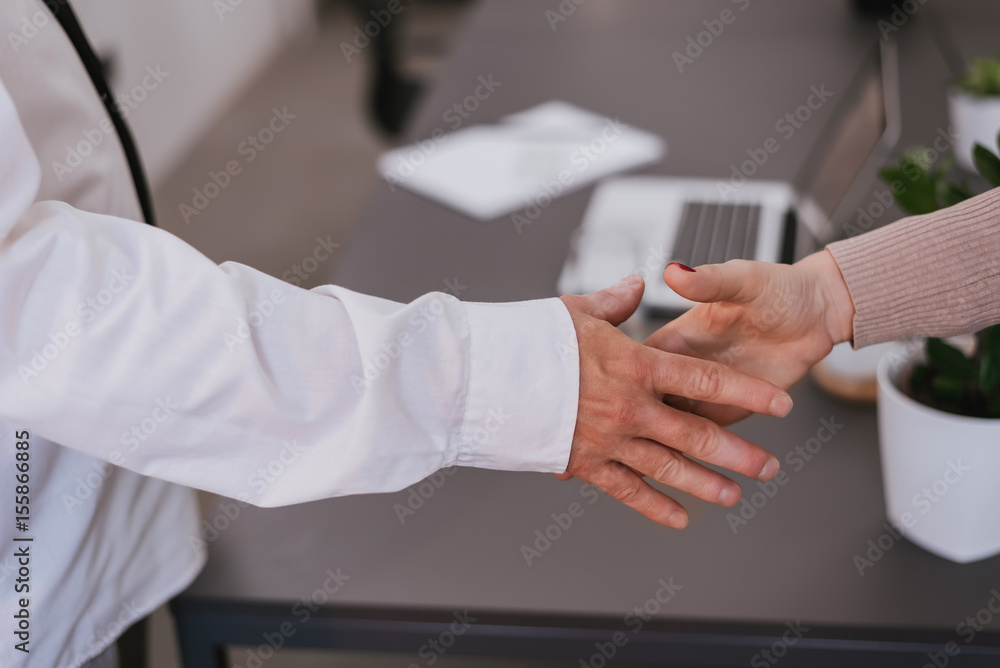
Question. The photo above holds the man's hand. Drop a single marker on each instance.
(772, 321)
(624, 431)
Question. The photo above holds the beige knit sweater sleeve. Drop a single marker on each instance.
(932, 275)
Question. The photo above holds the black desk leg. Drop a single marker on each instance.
(197, 634)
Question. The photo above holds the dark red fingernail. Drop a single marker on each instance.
(682, 266)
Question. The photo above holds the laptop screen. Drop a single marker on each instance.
(858, 125)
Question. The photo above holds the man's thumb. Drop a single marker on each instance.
(614, 304)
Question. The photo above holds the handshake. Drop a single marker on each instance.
(656, 410)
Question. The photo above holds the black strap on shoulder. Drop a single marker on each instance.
(62, 10)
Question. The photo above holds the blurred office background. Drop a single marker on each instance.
(225, 67)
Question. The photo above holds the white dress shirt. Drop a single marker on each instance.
(120, 343)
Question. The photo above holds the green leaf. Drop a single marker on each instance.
(987, 163)
(943, 169)
(950, 194)
(948, 389)
(890, 174)
(991, 338)
(919, 377)
(981, 78)
(918, 156)
(918, 194)
(989, 361)
(989, 373)
(949, 362)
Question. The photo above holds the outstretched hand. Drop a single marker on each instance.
(772, 321)
(624, 431)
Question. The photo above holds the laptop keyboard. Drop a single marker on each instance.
(711, 233)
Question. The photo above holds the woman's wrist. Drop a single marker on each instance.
(823, 273)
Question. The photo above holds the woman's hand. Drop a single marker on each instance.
(772, 321)
(624, 431)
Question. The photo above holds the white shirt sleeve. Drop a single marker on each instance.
(119, 340)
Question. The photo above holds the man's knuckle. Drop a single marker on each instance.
(624, 412)
(628, 492)
(707, 381)
(633, 363)
(703, 442)
(668, 469)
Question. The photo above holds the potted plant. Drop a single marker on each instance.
(939, 405)
(974, 106)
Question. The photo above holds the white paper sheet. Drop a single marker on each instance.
(525, 160)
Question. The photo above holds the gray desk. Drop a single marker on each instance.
(793, 562)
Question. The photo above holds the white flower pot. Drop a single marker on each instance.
(941, 471)
(973, 119)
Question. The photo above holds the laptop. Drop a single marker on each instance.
(639, 224)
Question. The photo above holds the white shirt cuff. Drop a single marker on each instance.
(524, 387)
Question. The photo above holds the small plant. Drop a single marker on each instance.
(982, 78)
(949, 380)
(952, 382)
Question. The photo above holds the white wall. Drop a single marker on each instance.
(209, 55)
